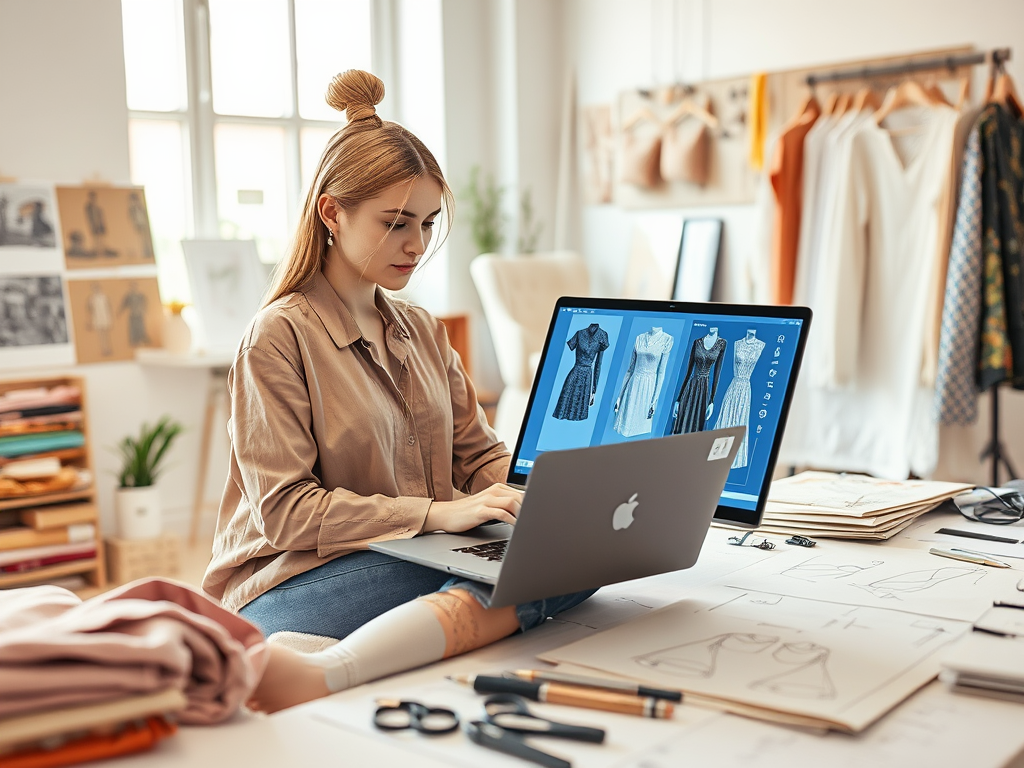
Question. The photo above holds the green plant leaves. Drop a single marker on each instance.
(142, 456)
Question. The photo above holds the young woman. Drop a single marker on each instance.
(353, 421)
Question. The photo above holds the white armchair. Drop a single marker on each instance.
(518, 294)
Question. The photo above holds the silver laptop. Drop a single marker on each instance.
(592, 516)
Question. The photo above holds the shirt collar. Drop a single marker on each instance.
(337, 319)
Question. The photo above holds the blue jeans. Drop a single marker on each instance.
(340, 596)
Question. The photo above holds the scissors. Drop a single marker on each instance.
(510, 712)
(394, 715)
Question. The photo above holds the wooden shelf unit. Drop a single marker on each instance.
(93, 568)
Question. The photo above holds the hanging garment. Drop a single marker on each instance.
(956, 388)
(686, 144)
(581, 382)
(638, 397)
(736, 403)
(699, 387)
(640, 153)
(864, 407)
(1002, 184)
(757, 109)
(787, 173)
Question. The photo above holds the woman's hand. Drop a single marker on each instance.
(499, 502)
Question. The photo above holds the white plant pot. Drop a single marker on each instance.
(177, 334)
(138, 512)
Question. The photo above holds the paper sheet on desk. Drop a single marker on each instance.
(881, 577)
(928, 533)
(927, 730)
(839, 666)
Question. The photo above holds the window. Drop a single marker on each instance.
(227, 117)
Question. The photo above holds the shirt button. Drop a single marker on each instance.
(412, 439)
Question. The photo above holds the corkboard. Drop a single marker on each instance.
(104, 226)
(114, 317)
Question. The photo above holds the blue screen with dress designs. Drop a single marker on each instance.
(614, 371)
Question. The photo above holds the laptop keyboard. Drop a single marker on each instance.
(492, 550)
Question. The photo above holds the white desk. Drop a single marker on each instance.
(933, 728)
(218, 365)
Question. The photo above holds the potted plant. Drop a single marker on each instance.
(137, 501)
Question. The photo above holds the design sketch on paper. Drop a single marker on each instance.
(135, 303)
(26, 217)
(815, 571)
(808, 676)
(701, 657)
(105, 226)
(32, 311)
(100, 318)
(917, 581)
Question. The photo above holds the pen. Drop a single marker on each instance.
(977, 535)
(968, 557)
(597, 682)
(554, 693)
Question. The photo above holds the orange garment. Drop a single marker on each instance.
(787, 177)
(131, 738)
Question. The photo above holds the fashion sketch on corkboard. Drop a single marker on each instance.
(580, 385)
(32, 311)
(27, 217)
(104, 226)
(695, 403)
(114, 317)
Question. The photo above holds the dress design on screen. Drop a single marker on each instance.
(580, 385)
(695, 403)
(634, 409)
(736, 403)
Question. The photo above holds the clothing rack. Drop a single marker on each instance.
(996, 56)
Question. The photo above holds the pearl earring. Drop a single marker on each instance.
(330, 236)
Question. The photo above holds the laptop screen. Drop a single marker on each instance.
(614, 370)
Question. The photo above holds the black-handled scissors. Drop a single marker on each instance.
(511, 712)
(393, 715)
(493, 737)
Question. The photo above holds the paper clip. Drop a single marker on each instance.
(739, 541)
(801, 541)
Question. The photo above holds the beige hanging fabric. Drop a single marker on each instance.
(686, 143)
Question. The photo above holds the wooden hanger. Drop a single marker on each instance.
(842, 104)
(1005, 93)
(909, 93)
(937, 94)
(689, 107)
(830, 104)
(644, 113)
(964, 93)
(865, 98)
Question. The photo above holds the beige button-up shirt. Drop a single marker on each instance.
(328, 453)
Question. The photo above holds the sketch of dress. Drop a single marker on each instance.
(810, 678)
(736, 403)
(815, 571)
(701, 657)
(916, 581)
(101, 318)
(642, 383)
(139, 218)
(581, 382)
(134, 302)
(699, 387)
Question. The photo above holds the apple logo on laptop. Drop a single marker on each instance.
(623, 515)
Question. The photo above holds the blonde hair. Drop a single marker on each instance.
(363, 159)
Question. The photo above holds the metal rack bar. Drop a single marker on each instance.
(997, 56)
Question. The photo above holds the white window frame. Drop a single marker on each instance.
(198, 118)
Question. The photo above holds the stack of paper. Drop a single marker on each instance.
(842, 506)
(990, 660)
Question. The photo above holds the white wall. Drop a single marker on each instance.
(64, 118)
(616, 45)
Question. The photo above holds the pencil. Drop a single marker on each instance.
(598, 682)
(572, 696)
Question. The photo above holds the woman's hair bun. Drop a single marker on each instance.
(355, 93)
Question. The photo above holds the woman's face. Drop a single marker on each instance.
(383, 239)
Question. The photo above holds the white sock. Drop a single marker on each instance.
(405, 637)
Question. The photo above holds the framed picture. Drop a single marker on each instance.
(228, 281)
(698, 257)
(113, 317)
(104, 226)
